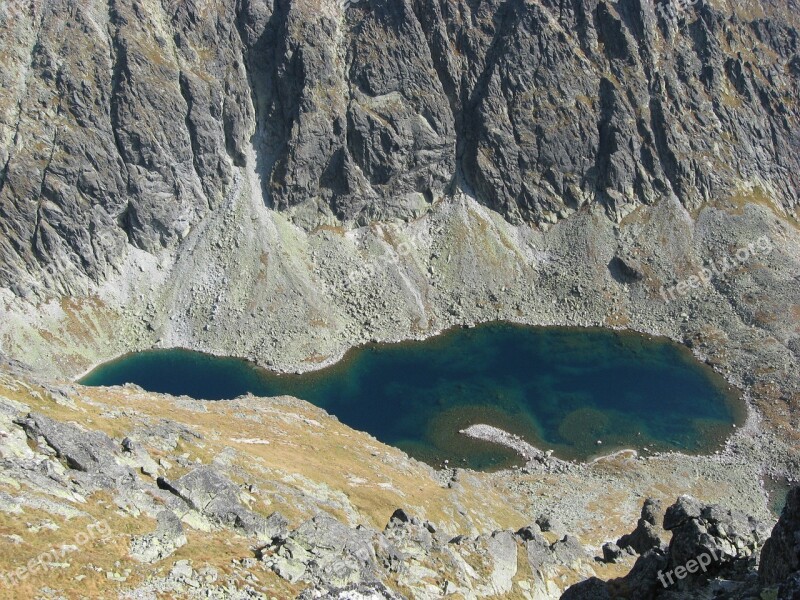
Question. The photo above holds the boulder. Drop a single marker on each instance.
(549, 523)
(642, 583)
(684, 509)
(729, 539)
(590, 589)
(501, 547)
(626, 269)
(91, 452)
(542, 555)
(136, 456)
(652, 511)
(611, 552)
(217, 497)
(530, 533)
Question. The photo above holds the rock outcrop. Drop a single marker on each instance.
(732, 540)
(645, 537)
(213, 495)
(327, 554)
(90, 452)
(712, 550)
(780, 559)
(168, 537)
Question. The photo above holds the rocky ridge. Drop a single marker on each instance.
(141, 499)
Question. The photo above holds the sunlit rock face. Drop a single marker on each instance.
(123, 124)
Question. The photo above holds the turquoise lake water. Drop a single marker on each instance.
(559, 388)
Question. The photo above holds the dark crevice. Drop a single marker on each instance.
(186, 93)
(260, 65)
(36, 236)
(659, 127)
(506, 16)
(606, 136)
(119, 65)
(439, 49)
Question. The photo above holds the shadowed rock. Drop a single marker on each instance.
(728, 540)
(780, 558)
(645, 536)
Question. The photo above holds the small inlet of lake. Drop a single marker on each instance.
(560, 389)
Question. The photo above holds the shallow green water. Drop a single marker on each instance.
(560, 389)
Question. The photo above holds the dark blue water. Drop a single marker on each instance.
(560, 389)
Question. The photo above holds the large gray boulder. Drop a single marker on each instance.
(215, 496)
(91, 452)
(729, 539)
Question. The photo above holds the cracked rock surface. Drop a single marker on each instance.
(124, 123)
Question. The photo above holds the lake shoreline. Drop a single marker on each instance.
(585, 381)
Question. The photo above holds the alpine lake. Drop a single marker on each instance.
(577, 392)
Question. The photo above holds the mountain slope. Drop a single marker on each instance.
(123, 123)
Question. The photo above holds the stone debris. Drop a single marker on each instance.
(533, 457)
(168, 537)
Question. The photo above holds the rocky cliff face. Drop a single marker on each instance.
(122, 123)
